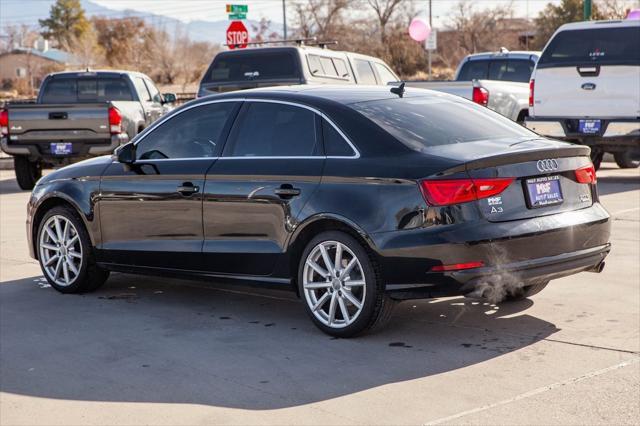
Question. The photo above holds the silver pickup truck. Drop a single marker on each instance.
(78, 115)
(498, 80)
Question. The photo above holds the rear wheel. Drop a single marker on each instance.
(27, 172)
(65, 253)
(528, 291)
(596, 158)
(341, 286)
(624, 160)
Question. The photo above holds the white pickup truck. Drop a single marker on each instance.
(497, 80)
(586, 89)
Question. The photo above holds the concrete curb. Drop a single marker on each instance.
(6, 163)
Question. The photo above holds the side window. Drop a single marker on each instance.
(327, 66)
(474, 70)
(314, 64)
(341, 67)
(141, 88)
(153, 90)
(274, 130)
(365, 72)
(334, 143)
(385, 73)
(194, 133)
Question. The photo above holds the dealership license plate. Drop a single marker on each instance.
(61, 148)
(544, 191)
(589, 127)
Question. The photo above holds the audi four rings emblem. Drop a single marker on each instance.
(547, 165)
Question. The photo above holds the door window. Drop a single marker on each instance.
(274, 130)
(153, 90)
(334, 144)
(365, 72)
(385, 73)
(141, 88)
(194, 133)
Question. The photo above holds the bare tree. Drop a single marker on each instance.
(384, 10)
(320, 18)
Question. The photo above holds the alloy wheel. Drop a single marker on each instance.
(60, 250)
(334, 284)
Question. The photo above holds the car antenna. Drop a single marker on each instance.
(398, 90)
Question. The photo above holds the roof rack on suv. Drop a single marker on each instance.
(311, 41)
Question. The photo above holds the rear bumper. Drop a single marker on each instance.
(619, 133)
(540, 248)
(80, 149)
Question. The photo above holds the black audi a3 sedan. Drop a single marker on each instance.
(355, 197)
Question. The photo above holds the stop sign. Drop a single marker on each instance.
(237, 35)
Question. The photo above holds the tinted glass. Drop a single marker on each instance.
(474, 70)
(594, 45)
(79, 90)
(334, 143)
(253, 66)
(385, 74)
(365, 72)
(421, 123)
(141, 88)
(273, 130)
(194, 133)
(511, 70)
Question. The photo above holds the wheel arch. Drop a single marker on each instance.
(315, 225)
(51, 201)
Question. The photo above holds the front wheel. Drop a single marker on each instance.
(27, 172)
(624, 160)
(341, 286)
(65, 253)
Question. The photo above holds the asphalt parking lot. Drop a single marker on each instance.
(161, 351)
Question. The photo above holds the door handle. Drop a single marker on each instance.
(287, 191)
(188, 188)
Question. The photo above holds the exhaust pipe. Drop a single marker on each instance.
(598, 268)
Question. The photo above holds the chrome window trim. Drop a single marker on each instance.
(356, 153)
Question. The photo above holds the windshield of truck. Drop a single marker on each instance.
(425, 122)
(252, 66)
(85, 90)
(604, 45)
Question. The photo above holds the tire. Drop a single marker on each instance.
(329, 288)
(528, 291)
(624, 161)
(596, 158)
(27, 172)
(69, 267)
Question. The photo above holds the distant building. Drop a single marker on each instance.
(23, 68)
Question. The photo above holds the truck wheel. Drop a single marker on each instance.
(596, 158)
(624, 161)
(27, 172)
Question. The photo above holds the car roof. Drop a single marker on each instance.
(95, 72)
(518, 54)
(599, 24)
(322, 93)
(303, 48)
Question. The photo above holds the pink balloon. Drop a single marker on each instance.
(634, 14)
(419, 29)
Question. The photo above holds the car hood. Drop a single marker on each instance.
(87, 169)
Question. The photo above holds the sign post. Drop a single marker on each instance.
(237, 35)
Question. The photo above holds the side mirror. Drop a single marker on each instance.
(169, 98)
(126, 154)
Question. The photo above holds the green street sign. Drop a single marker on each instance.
(237, 8)
(236, 16)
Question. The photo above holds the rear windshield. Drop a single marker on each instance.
(85, 90)
(252, 66)
(613, 46)
(422, 123)
(497, 69)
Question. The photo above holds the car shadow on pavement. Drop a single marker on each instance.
(9, 186)
(143, 339)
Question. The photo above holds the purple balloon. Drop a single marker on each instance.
(634, 14)
(419, 29)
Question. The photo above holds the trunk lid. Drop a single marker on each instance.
(536, 165)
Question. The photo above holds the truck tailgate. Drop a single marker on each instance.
(59, 122)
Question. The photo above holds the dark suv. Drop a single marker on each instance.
(286, 65)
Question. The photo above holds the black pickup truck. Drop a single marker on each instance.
(78, 115)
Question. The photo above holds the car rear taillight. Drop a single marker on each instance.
(456, 191)
(457, 266)
(4, 122)
(115, 120)
(586, 174)
(532, 85)
(480, 96)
